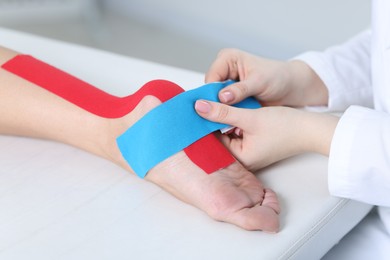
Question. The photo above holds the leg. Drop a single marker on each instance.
(232, 194)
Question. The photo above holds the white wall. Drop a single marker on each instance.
(22, 11)
(273, 28)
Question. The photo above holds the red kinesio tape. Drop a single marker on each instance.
(207, 153)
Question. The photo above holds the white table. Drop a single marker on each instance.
(57, 202)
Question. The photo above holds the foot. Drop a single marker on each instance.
(232, 194)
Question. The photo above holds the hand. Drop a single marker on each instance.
(272, 82)
(270, 134)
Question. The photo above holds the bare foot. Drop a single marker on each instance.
(232, 195)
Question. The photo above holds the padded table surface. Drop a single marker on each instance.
(57, 202)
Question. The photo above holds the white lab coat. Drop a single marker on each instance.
(357, 75)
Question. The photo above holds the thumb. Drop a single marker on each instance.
(222, 113)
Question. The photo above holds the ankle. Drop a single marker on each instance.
(113, 128)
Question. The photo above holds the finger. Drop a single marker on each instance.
(234, 145)
(224, 139)
(218, 71)
(237, 92)
(224, 114)
(230, 131)
(224, 67)
(238, 132)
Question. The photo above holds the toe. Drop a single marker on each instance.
(271, 200)
(256, 218)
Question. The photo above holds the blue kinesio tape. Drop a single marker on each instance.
(171, 127)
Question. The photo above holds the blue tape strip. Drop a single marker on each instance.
(171, 127)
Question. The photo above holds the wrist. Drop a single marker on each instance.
(305, 86)
(318, 131)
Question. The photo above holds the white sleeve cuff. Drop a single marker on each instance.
(359, 166)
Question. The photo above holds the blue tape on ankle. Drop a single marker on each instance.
(171, 127)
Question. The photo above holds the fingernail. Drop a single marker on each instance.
(227, 96)
(202, 106)
(238, 131)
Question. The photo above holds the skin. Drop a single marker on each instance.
(232, 195)
(272, 133)
(272, 82)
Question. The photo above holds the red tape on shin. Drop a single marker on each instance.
(207, 153)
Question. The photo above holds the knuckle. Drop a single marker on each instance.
(228, 52)
(242, 89)
(224, 52)
(222, 113)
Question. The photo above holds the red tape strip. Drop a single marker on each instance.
(207, 153)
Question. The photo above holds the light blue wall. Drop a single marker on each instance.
(273, 28)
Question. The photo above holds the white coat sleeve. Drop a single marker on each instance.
(345, 70)
(359, 160)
